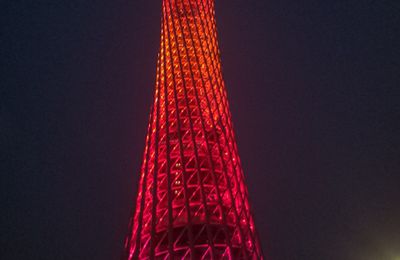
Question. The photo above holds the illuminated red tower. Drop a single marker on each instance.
(192, 201)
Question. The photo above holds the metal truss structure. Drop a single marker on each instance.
(192, 200)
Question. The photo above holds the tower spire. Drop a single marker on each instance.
(192, 200)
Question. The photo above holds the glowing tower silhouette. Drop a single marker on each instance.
(192, 200)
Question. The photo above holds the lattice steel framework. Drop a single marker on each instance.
(192, 201)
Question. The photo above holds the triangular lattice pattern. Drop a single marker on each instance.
(192, 201)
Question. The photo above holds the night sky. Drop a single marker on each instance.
(314, 92)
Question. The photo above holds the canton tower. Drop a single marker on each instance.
(192, 201)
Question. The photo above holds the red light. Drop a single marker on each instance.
(192, 199)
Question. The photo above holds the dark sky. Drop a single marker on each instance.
(314, 93)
